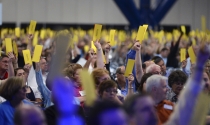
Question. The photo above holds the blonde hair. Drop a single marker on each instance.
(71, 69)
(11, 87)
(97, 73)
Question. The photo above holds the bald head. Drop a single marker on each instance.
(29, 115)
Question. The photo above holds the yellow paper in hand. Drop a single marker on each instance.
(183, 54)
(17, 32)
(42, 34)
(97, 32)
(8, 42)
(192, 55)
(27, 57)
(86, 48)
(35, 39)
(183, 29)
(37, 53)
(145, 26)
(104, 59)
(193, 42)
(129, 67)
(140, 34)
(32, 27)
(93, 47)
(111, 37)
(88, 86)
(15, 49)
(203, 23)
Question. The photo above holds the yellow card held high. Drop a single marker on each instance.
(140, 34)
(32, 27)
(192, 55)
(37, 53)
(183, 54)
(27, 56)
(129, 67)
(97, 32)
(15, 49)
(8, 42)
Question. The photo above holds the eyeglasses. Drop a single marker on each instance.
(111, 90)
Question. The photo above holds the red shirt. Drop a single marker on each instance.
(5, 76)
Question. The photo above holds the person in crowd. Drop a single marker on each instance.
(100, 75)
(142, 86)
(5, 63)
(156, 86)
(33, 95)
(29, 115)
(91, 61)
(44, 68)
(103, 111)
(108, 90)
(154, 69)
(159, 61)
(164, 54)
(176, 81)
(207, 66)
(14, 91)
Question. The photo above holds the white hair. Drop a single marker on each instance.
(150, 68)
(154, 81)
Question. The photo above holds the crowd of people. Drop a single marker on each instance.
(160, 90)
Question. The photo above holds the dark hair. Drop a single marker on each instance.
(106, 85)
(131, 101)
(144, 66)
(143, 80)
(156, 59)
(16, 70)
(177, 76)
(99, 108)
(164, 49)
(3, 56)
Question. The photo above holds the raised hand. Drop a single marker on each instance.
(27, 68)
(184, 63)
(30, 36)
(204, 53)
(12, 58)
(130, 78)
(97, 45)
(137, 46)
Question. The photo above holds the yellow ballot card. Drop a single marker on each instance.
(93, 47)
(111, 37)
(89, 87)
(97, 32)
(193, 42)
(17, 32)
(35, 39)
(32, 27)
(183, 29)
(183, 54)
(37, 53)
(86, 48)
(192, 55)
(203, 23)
(27, 56)
(104, 59)
(15, 49)
(43, 33)
(8, 42)
(140, 34)
(145, 26)
(129, 67)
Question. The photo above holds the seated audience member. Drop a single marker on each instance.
(44, 69)
(29, 115)
(14, 91)
(108, 90)
(154, 69)
(176, 81)
(4, 64)
(140, 110)
(33, 95)
(106, 112)
(100, 75)
(159, 61)
(164, 54)
(142, 86)
(156, 86)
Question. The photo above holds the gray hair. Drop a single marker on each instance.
(154, 81)
(150, 68)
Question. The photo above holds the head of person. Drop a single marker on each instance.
(159, 61)
(206, 79)
(107, 89)
(100, 75)
(156, 86)
(20, 72)
(72, 71)
(164, 52)
(43, 64)
(29, 115)
(154, 69)
(142, 85)
(140, 110)
(120, 73)
(13, 89)
(207, 66)
(176, 81)
(4, 62)
(106, 112)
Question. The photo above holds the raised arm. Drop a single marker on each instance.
(188, 98)
(138, 62)
(99, 61)
(11, 68)
(30, 46)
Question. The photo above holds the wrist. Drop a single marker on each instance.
(99, 49)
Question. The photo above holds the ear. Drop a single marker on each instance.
(154, 89)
